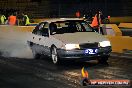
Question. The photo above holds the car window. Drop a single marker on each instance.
(72, 26)
(53, 28)
(35, 30)
(41, 26)
(86, 26)
(41, 29)
(45, 30)
(79, 27)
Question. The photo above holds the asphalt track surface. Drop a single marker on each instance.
(19, 70)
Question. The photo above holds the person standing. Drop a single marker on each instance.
(97, 21)
(12, 20)
(17, 20)
(78, 14)
(25, 19)
(2, 19)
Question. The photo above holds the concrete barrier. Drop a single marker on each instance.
(120, 43)
(17, 28)
(121, 19)
(125, 25)
(111, 29)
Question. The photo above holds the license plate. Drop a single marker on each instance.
(91, 51)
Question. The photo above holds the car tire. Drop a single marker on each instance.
(103, 59)
(54, 55)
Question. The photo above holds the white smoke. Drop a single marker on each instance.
(14, 44)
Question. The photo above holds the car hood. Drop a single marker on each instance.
(80, 37)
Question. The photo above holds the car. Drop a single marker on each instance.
(68, 39)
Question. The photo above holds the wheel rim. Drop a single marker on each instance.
(54, 56)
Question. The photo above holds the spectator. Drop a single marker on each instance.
(78, 14)
(25, 19)
(2, 19)
(17, 20)
(97, 20)
(12, 20)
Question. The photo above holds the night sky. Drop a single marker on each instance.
(68, 8)
(109, 7)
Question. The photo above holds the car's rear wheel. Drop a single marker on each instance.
(103, 59)
(54, 55)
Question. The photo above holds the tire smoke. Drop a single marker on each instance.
(14, 44)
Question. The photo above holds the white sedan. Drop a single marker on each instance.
(68, 39)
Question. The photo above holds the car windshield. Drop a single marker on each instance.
(70, 26)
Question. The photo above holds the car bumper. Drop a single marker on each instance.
(80, 55)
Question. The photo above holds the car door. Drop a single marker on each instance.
(44, 39)
(37, 37)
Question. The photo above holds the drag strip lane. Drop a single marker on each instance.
(19, 70)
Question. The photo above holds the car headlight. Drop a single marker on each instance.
(72, 46)
(104, 43)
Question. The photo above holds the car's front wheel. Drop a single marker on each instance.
(103, 59)
(54, 55)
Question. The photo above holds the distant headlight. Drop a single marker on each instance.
(72, 46)
(104, 43)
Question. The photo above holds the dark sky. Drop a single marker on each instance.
(109, 7)
(69, 7)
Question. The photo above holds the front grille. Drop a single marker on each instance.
(88, 45)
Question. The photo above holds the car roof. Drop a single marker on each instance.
(61, 19)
